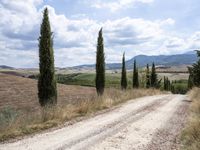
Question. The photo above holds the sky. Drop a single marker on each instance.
(149, 27)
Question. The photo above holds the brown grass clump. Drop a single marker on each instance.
(191, 134)
(15, 123)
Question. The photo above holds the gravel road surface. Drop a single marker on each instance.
(148, 123)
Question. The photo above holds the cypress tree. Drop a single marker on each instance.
(47, 89)
(135, 76)
(194, 78)
(190, 79)
(123, 76)
(153, 76)
(100, 65)
(148, 83)
(168, 85)
(196, 73)
(165, 85)
(198, 53)
(172, 89)
(155, 83)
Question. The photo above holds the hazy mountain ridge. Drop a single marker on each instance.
(165, 60)
(142, 60)
(5, 67)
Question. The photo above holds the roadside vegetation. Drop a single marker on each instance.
(191, 134)
(15, 123)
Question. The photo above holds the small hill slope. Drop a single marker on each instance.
(21, 93)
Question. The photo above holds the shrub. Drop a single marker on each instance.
(7, 116)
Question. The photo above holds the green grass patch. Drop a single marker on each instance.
(88, 79)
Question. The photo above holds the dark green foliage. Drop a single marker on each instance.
(154, 82)
(153, 76)
(123, 77)
(100, 65)
(179, 87)
(148, 83)
(198, 53)
(194, 77)
(47, 89)
(190, 79)
(135, 76)
(167, 84)
(173, 89)
(196, 74)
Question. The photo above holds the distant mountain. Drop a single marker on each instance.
(5, 67)
(165, 60)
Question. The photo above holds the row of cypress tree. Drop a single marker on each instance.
(124, 82)
(47, 89)
(167, 84)
(151, 78)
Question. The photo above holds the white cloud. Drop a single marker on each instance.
(168, 21)
(117, 4)
(75, 39)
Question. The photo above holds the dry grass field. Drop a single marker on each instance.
(21, 93)
(191, 134)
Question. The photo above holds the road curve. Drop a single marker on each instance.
(145, 123)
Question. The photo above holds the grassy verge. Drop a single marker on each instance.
(191, 134)
(15, 123)
(180, 86)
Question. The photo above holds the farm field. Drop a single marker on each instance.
(87, 79)
(19, 92)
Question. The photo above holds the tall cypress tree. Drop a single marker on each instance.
(47, 89)
(168, 84)
(148, 83)
(198, 53)
(100, 65)
(165, 85)
(135, 76)
(153, 76)
(123, 76)
(195, 72)
(173, 88)
(190, 79)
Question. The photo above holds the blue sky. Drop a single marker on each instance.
(149, 27)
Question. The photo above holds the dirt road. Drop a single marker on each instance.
(149, 123)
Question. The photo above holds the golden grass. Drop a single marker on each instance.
(191, 134)
(47, 118)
